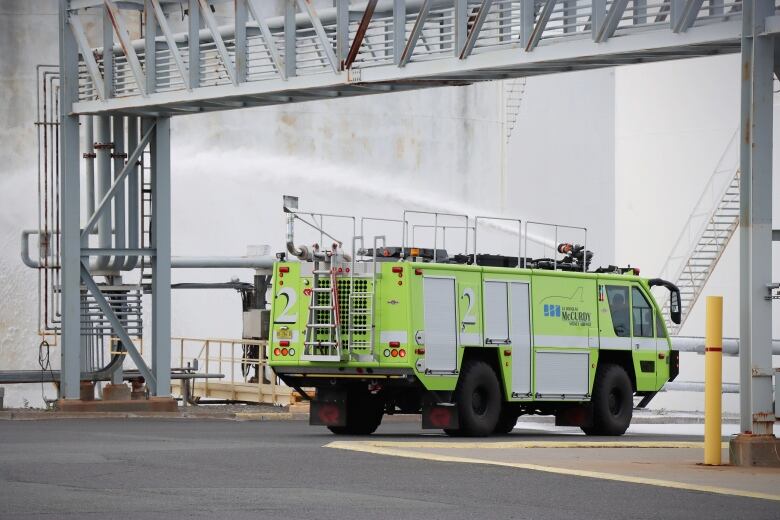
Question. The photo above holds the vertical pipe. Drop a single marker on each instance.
(713, 375)
(103, 152)
(133, 200)
(119, 156)
(89, 155)
(71, 233)
(161, 261)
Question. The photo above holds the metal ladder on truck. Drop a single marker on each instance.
(324, 318)
(360, 315)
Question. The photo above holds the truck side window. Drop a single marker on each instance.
(618, 308)
(660, 331)
(643, 315)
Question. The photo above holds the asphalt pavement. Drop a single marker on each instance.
(192, 469)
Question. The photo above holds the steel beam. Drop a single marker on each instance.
(70, 256)
(162, 21)
(365, 20)
(417, 29)
(399, 29)
(87, 55)
(150, 47)
(307, 7)
(460, 18)
(598, 16)
(161, 261)
(614, 15)
(471, 41)
(756, 414)
(290, 40)
(541, 24)
(239, 21)
(193, 42)
(211, 24)
(120, 28)
(689, 13)
(268, 39)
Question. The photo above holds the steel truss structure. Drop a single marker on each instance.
(182, 61)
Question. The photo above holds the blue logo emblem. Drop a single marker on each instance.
(553, 311)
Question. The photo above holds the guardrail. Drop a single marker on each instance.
(243, 362)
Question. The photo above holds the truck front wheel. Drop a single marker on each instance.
(612, 401)
(478, 398)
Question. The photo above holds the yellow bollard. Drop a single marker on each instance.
(713, 375)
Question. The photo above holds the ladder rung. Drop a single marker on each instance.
(320, 343)
(322, 289)
(321, 307)
(321, 325)
(320, 272)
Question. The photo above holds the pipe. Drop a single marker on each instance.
(118, 138)
(90, 164)
(133, 199)
(301, 252)
(693, 386)
(222, 262)
(730, 345)
(103, 152)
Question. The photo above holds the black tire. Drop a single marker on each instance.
(612, 401)
(478, 398)
(507, 420)
(364, 415)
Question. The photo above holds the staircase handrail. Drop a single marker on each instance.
(699, 211)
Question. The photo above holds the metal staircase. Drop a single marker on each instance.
(514, 90)
(705, 236)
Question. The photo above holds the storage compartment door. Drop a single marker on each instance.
(520, 336)
(496, 311)
(562, 374)
(441, 328)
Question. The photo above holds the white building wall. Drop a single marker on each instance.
(673, 121)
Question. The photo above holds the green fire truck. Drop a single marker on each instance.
(469, 341)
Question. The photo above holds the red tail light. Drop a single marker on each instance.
(394, 353)
(395, 344)
(284, 351)
(284, 343)
(402, 353)
(398, 269)
(284, 269)
(277, 351)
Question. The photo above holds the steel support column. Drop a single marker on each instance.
(161, 261)
(756, 413)
(71, 205)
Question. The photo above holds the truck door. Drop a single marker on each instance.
(440, 321)
(643, 340)
(520, 337)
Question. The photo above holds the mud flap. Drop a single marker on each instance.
(328, 409)
(575, 415)
(440, 416)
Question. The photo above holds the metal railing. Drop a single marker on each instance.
(244, 363)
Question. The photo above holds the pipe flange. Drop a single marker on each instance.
(119, 156)
(103, 146)
(89, 155)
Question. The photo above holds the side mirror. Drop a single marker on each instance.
(675, 307)
(675, 304)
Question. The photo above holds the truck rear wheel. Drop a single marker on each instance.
(612, 401)
(364, 415)
(478, 398)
